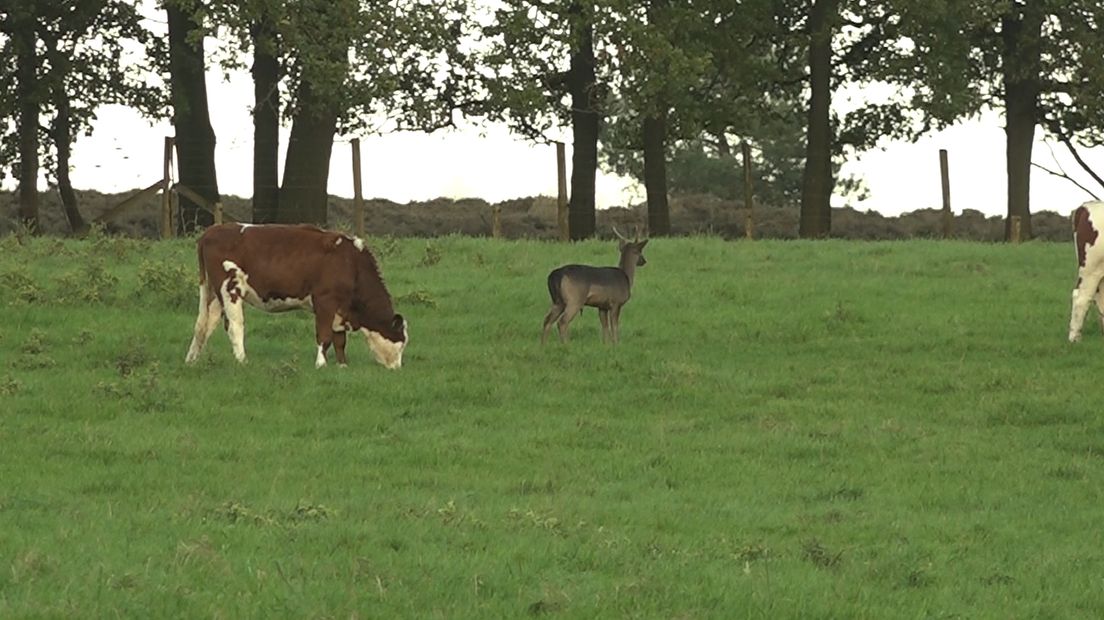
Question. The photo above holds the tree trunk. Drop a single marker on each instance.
(304, 195)
(27, 98)
(1022, 67)
(817, 182)
(584, 129)
(266, 122)
(195, 140)
(63, 140)
(655, 174)
(724, 149)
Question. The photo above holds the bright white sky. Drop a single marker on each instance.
(124, 152)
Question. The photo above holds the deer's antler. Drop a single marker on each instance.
(619, 235)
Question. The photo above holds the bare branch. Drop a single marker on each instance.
(1081, 162)
(1067, 177)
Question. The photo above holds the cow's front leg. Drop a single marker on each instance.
(234, 310)
(323, 334)
(339, 348)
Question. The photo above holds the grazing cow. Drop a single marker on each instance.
(279, 268)
(1090, 265)
(606, 288)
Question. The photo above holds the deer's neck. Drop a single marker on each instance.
(628, 265)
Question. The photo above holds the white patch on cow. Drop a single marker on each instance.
(244, 226)
(386, 352)
(359, 243)
(277, 304)
(339, 323)
(1091, 274)
(339, 240)
(320, 359)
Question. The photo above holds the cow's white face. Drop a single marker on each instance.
(387, 352)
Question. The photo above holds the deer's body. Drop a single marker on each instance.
(608, 289)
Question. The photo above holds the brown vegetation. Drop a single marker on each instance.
(535, 217)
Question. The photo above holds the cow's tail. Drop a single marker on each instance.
(554, 280)
(202, 267)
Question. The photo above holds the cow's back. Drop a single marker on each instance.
(280, 261)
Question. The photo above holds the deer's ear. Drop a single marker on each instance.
(642, 244)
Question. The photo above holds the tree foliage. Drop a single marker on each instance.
(86, 54)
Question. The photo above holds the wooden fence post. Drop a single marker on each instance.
(218, 213)
(561, 191)
(496, 221)
(166, 192)
(358, 197)
(749, 197)
(944, 173)
(1017, 229)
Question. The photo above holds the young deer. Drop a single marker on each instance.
(605, 288)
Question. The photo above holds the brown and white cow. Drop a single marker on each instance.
(278, 268)
(1087, 220)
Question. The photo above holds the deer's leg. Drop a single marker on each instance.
(554, 313)
(615, 324)
(569, 314)
(604, 317)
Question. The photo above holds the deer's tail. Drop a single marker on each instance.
(554, 291)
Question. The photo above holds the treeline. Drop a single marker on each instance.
(662, 89)
(535, 217)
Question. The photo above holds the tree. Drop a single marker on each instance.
(264, 36)
(707, 72)
(817, 183)
(322, 38)
(67, 63)
(829, 45)
(195, 139)
(528, 86)
(1037, 60)
(339, 67)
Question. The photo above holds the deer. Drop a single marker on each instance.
(606, 288)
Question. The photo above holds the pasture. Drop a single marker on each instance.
(787, 429)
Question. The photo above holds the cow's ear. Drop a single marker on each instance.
(398, 322)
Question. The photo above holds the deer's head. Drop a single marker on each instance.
(632, 252)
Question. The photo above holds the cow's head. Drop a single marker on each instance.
(389, 343)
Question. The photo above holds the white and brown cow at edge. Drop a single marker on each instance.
(278, 268)
(1087, 220)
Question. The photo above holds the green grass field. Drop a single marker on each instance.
(787, 430)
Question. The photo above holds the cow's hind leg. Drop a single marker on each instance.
(1082, 296)
(210, 309)
(553, 315)
(1099, 299)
